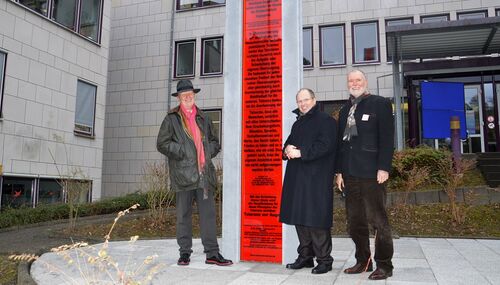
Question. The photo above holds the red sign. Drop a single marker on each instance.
(262, 137)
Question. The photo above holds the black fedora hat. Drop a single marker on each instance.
(185, 85)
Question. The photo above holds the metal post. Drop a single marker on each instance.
(397, 96)
(455, 140)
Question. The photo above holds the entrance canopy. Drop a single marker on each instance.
(468, 37)
(451, 40)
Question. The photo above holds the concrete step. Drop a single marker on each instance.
(488, 155)
(489, 168)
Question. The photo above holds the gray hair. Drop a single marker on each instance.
(308, 91)
(358, 71)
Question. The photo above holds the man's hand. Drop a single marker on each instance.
(382, 176)
(339, 181)
(292, 152)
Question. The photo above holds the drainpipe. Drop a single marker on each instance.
(170, 57)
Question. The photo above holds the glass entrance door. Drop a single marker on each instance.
(473, 118)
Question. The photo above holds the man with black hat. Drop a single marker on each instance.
(186, 138)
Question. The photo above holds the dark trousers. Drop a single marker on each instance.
(208, 227)
(315, 242)
(365, 204)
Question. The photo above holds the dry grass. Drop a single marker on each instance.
(95, 263)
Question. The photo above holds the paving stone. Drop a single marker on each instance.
(417, 261)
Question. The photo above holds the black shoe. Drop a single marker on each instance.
(359, 268)
(301, 262)
(183, 260)
(218, 260)
(322, 268)
(380, 274)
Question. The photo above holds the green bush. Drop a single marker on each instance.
(10, 217)
(419, 157)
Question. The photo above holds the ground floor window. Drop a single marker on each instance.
(32, 191)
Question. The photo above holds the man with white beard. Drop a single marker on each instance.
(365, 149)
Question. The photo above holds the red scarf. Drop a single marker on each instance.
(194, 131)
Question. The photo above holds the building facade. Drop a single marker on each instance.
(53, 80)
(50, 61)
(154, 41)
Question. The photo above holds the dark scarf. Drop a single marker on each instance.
(351, 130)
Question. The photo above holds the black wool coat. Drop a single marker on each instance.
(307, 196)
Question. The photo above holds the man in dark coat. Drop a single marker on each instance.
(366, 142)
(307, 197)
(186, 138)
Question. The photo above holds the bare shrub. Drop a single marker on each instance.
(96, 265)
(75, 184)
(155, 182)
(452, 173)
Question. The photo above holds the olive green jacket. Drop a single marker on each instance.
(175, 142)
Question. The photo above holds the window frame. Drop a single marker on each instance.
(387, 21)
(99, 20)
(78, 10)
(353, 36)
(30, 202)
(202, 64)
(321, 64)
(49, 8)
(497, 12)
(80, 132)
(176, 54)
(200, 6)
(2, 81)
(484, 12)
(34, 200)
(422, 18)
(312, 48)
(338, 104)
(219, 110)
(75, 20)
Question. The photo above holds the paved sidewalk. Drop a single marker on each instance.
(417, 261)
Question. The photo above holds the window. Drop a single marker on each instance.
(85, 108)
(332, 48)
(497, 12)
(365, 37)
(39, 6)
(307, 47)
(17, 192)
(184, 58)
(216, 116)
(3, 60)
(28, 191)
(64, 12)
(396, 22)
(211, 52)
(50, 191)
(332, 108)
(435, 18)
(472, 15)
(399, 22)
(190, 4)
(90, 18)
(80, 16)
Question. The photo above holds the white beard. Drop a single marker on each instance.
(357, 92)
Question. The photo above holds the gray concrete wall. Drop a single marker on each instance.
(138, 83)
(44, 63)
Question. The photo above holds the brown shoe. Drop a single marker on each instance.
(359, 268)
(380, 274)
